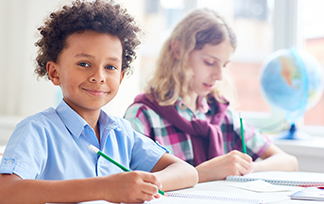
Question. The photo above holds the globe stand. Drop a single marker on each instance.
(292, 134)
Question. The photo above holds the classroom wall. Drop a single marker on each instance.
(18, 91)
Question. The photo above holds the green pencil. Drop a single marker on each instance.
(96, 150)
(242, 134)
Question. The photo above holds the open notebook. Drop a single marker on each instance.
(305, 179)
(208, 197)
(197, 197)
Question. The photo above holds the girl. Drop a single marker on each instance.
(185, 105)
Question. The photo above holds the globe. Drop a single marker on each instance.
(292, 81)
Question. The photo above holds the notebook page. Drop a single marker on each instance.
(283, 178)
(204, 197)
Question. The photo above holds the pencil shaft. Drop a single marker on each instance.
(242, 135)
(119, 165)
(161, 192)
(113, 161)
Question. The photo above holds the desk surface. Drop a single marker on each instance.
(223, 189)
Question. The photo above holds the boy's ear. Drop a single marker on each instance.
(53, 72)
(175, 49)
(122, 74)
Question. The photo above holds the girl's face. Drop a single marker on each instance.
(207, 64)
(88, 70)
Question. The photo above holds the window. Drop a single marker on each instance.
(313, 38)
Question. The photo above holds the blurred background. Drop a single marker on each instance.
(262, 27)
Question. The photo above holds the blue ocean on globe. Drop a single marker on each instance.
(292, 80)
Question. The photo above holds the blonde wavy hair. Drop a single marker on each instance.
(172, 75)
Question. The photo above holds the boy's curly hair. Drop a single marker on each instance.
(100, 16)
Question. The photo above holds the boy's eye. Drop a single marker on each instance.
(110, 67)
(83, 64)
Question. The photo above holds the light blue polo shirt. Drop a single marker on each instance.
(54, 145)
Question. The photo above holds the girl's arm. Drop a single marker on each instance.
(274, 159)
(233, 163)
(133, 186)
(238, 163)
(173, 173)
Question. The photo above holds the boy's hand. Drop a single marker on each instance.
(218, 168)
(130, 187)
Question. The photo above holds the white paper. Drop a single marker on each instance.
(260, 186)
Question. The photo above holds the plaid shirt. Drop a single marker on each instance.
(149, 123)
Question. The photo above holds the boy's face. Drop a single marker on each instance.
(88, 70)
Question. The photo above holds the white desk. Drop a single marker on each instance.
(223, 189)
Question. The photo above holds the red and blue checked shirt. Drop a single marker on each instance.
(149, 123)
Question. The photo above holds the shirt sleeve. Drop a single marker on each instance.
(145, 153)
(256, 143)
(20, 153)
(138, 117)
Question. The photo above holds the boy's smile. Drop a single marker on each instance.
(88, 69)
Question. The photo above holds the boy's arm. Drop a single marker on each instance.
(13, 189)
(173, 173)
(133, 186)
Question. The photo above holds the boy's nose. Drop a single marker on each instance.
(97, 77)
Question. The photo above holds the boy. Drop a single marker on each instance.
(86, 49)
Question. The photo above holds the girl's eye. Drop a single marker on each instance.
(225, 65)
(110, 67)
(209, 63)
(83, 64)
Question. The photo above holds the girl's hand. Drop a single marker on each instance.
(218, 168)
(130, 187)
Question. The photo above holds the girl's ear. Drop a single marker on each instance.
(52, 70)
(175, 49)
